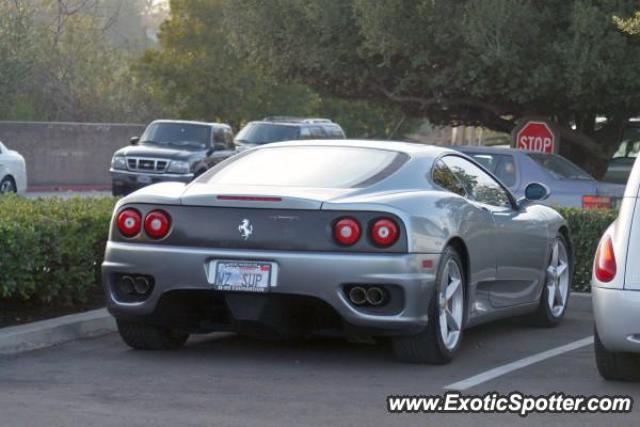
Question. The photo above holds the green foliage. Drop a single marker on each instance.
(70, 61)
(51, 249)
(17, 51)
(199, 74)
(586, 227)
(487, 62)
(454, 56)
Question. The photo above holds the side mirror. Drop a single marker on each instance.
(134, 140)
(210, 151)
(534, 192)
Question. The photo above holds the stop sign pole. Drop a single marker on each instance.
(534, 134)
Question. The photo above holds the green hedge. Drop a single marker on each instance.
(586, 229)
(51, 249)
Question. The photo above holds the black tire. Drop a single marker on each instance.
(543, 317)
(9, 182)
(428, 346)
(142, 336)
(615, 366)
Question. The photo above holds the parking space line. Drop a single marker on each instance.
(518, 364)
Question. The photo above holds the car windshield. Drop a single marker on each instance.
(559, 167)
(177, 135)
(264, 133)
(317, 167)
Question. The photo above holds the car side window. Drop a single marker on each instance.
(444, 178)
(334, 132)
(219, 140)
(317, 132)
(478, 185)
(228, 139)
(305, 133)
(506, 170)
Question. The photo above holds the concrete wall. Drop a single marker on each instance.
(67, 154)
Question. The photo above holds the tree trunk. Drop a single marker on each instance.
(589, 148)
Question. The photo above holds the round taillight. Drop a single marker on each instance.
(347, 231)
(605, 263)
(384, 232)
(129, 222)
(157, 224)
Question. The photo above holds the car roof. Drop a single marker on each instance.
(193, 122)
(411, 148)
(295, 122)
(488, 150)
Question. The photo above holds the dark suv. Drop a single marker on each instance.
(170, 150)
(279, 128)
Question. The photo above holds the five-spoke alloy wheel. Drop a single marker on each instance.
(441, 339)
(555, 294)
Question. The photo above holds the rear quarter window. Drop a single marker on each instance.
(503, 166)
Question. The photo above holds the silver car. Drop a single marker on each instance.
(571, 186)
(363, 238)
(616, 290)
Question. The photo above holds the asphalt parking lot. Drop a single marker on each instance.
(228, 380)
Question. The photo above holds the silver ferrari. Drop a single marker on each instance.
(360, 238)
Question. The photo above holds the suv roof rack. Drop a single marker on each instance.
(291, 119)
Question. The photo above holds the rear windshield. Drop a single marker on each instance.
(559, 167)
(318, 166)
(264, 133)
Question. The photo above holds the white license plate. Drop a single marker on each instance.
(144, 179)
(248, 276)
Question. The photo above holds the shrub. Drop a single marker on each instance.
(51, 249)
(586, 228)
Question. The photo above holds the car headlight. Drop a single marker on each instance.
(119, 162)
(179, 166)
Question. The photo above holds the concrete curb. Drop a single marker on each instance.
(581, 294)
(47, 333)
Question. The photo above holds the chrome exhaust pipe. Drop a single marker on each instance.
(358, 295)
(141, 285)
(375, 295)
(127, 285)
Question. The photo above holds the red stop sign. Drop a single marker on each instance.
(536, 136)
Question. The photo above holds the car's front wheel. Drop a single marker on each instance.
(8, 185)
(143, 336)
(616, 366)
(438, 343)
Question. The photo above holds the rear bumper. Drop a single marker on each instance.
(320, 275)
(617, 316)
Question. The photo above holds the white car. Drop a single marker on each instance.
(616, 290)
(13, 171)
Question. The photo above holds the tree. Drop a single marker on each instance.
(473, 62)
(62, 60)
(198, 74)
(17, 52)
